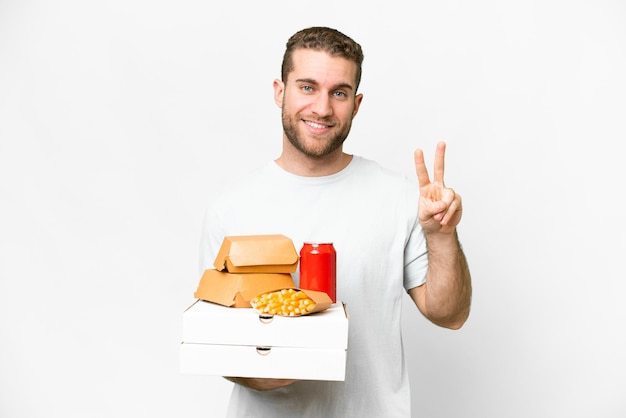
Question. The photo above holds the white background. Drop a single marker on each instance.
(119, 120)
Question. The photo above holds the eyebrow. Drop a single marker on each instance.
(335, 87)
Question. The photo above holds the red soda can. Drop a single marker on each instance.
(318, 268)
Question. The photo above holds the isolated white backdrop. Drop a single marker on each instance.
(119, 120)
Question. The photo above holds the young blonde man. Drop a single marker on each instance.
(391, 235)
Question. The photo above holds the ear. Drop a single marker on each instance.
(279, 91)
(357, 103)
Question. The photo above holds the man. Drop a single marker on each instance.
(389, 235)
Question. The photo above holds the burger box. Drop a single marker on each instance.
(222, 341)
(236, 290)
(257, 254)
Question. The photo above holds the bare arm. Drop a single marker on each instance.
(445, 298)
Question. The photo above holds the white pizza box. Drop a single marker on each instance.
(223, 341)
(263, 362)
(210, 323)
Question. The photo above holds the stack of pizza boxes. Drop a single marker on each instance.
(245, 342)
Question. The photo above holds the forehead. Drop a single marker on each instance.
(309, 64)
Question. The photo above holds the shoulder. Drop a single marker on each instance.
(374, 171)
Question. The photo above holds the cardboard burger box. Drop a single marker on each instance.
(246, 266)
(257, 254)
(236, 290)
(221, 341)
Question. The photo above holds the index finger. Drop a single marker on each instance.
(420, 168)
(440, 154)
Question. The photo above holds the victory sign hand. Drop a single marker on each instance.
(440, 207)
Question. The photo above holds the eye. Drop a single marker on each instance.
(306, 88)
(340, 94)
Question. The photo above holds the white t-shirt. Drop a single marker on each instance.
(370, 215)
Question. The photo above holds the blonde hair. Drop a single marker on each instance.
(324, 39)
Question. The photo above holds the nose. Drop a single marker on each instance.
(322, 105)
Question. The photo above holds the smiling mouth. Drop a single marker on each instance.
(316, 125)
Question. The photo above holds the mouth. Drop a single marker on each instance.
(317, 126)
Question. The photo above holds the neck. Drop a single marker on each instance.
(299, 164)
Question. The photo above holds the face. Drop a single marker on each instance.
(318, 102)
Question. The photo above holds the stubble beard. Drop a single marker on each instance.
(290, 128)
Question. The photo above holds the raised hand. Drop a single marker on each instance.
(440, 208)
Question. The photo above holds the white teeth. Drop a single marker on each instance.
(315, 125)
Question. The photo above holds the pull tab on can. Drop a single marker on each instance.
(318, 268)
